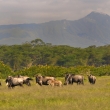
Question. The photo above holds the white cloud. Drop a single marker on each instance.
(35, 11)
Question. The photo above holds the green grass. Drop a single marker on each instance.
(71, 97)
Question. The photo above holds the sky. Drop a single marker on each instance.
(40, 11)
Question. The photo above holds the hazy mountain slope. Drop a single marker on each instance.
(95, 26)
(93, 29)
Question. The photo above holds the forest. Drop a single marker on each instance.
(38, 53)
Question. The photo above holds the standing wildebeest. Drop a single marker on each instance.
(92, 79)
(12, 82)
(16, 81)
(42, 80)
(54, 82)
(26, 79)
(70, 78)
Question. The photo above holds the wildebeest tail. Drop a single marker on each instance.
(83, 80)
(29, 79)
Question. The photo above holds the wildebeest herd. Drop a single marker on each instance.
(69, 78)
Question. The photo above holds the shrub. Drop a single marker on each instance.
(5, 70)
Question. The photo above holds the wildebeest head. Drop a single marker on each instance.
(39, 79)
(92, 79)
(67, 79)
(9, 81)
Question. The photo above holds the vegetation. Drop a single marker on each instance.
(37, 52)
(5, 70)
(36, 56)
(56, 71)
(71, 97)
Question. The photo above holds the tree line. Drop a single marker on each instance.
(38, 52)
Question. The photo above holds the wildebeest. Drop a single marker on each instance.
(16, 81)
(12, 82)
(0, 83)
(54, 82)
(71, 78)
(42, 80)
(26, 79)
(92, 79)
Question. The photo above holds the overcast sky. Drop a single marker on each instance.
(39, 11)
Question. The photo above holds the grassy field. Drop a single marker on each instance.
(71, 97)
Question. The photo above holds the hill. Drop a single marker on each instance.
(93, 29)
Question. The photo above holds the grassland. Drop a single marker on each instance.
(71, 97)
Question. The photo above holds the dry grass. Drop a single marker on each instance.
(71, 97)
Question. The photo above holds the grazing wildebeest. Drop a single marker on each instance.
(42, 80)
(0, 83)
(71, 78)
(26, 79)
(54, 82)
(12, 82)
(92, 79)
(16, 81)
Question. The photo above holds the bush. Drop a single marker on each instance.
(5, 70)
(56, 71)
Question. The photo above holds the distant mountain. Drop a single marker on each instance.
(93, 29)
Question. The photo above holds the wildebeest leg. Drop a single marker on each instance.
(72, 83)
(82, 82)
(94, 81)
(40, 84)
(9, 87)
(0, 84)
(27, 82)
(21, 85)
(78, 83)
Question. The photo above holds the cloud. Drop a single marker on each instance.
(37, 11)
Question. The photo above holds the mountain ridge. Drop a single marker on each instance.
(93, 29)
